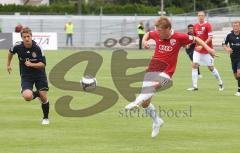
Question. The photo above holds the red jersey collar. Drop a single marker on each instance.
(202, 23)
(172, 33)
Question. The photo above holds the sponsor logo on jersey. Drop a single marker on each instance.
(199, 32)
(235, 44)
(164, 48)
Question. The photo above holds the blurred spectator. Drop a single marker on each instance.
(69, 32)
(141, 32)
(18, 28)
(148, 28)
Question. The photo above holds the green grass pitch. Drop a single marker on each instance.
(213, 127)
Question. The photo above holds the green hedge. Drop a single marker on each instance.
(129, 9)
(71, 9)
(86, 9)
(174, 10)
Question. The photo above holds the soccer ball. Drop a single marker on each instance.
(88, 83)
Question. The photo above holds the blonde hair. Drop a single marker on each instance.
(163, 22)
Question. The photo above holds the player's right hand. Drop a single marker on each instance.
(229, 50)
(213, 53)
(9, 69)
(146, 45)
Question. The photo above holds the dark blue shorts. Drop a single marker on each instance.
(41, 84)
(235, 64)
(190, 55)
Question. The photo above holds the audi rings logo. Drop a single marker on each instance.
(111, 42)
(165, 48)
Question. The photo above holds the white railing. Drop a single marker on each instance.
(92, 31)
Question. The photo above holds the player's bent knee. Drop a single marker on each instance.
(211, 68)
(164, 84)
(195, 65)
(238, 75)
(43, 96)
(27, 98)
(146, 103)
(43, 99)
(27, 95)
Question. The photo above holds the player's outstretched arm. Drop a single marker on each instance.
(145, 40)
(9, 60)
(204, 45)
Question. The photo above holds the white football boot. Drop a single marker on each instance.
(156, 126)
(45, 121)
(192, 89)
(237, 94)
(221, 87)
(131, 106)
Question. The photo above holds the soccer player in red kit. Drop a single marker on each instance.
(162, 66)
(203, 30)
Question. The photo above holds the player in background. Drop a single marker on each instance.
(233, 40)
(162, 66)
(190, 47)
(203, 30)
(32, 64)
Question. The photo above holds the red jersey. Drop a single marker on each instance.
(203, 31)
(166, 51)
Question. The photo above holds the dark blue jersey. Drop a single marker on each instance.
(234, 43)
(34, 54)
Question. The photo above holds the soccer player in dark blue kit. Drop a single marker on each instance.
(32, 64)
(233, 39)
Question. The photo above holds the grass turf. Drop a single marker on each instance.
(213, 126)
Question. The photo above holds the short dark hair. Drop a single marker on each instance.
(236, 22)
(190, 25)
(26, 30)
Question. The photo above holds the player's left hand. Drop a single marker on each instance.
(9, 69)
(28, 63)
(146, 45)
